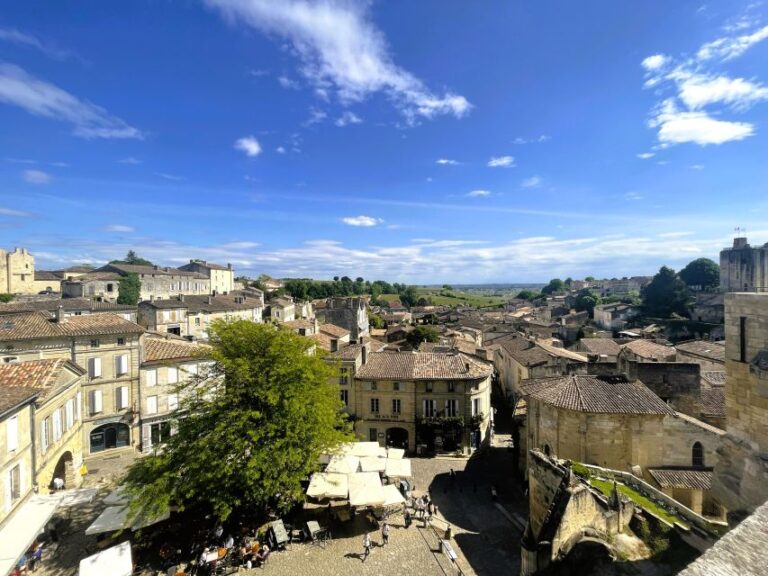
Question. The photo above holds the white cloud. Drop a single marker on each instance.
(698, 91)
(22, 39)
(171, 177)
(674, 234)
(365, 221)
(696, 166)
(280, 149)
(652, 63)
(249, 145)
(646, 155)
(479, 193)
(731, 47)
(633, 196)
(130, 160)
(535, 140)
(288, 83)
(315, 116)
(677, 127)
(119, 228)
(348, 118)
(532, 182)
(501, 162)
(40, 98)
(446, 162)
(341, 48)
(36, 176)
(12, 212)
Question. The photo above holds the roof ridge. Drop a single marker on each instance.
(578, 391)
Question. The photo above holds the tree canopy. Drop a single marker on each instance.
(555, 285)
(701, 274)
(132, 258)
(529, 295)
(422, 334)
(254, 427)
(586, 300)
(129, 289)
(666, 294)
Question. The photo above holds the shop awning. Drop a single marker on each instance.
(343, 464)
(328, 485)
(116, 518)
(77, 497)
(395, 453)
(368, 464)
(115, 561)
(20, 532)
(370, 449)
(365, 489)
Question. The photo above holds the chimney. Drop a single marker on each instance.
(365, 354)
(60, 317)
(229, 266)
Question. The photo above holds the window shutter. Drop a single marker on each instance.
(12, 433)
(121, 364)
(94, 367)
(173, 401)
(70, 420)
(56, 425)
(152, 405)
(173, 375)
(44, 437)
(146, 438)
(96, 406)
(152, 377)
(78, 405)
(122, 397)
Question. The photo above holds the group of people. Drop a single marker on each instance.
(30, 560)
(423, 509)
(368, 544)
(247, 554)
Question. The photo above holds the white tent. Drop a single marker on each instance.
(395, 453)
(77, 497)
(328, 485)
(375, 464)
(116, 518)
(18, 533)
(117, 497)
(365, 489)
(371, 449)
(343, 464)
(115, 561)
(392, 495)
(398, 468)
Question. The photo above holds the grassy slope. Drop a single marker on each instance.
(606, 487)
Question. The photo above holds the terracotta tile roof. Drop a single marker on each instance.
(67, 304)
(322, 340)
(333, 330)
(197, 303)
(300, 323)
(601, 346)
(97, 275)
(157, 349)
(691, 478)
(13, 396)
(714, 351)
(35, 325)
(423, 366)
(713, 402)
(42, 275)
(649, 349)
(714, 377)
(42, 375)
(597, 394)
(149, 270)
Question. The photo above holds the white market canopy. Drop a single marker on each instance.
(72, 498)
(18, 533)
(116, 518)
(398, 468)
(392, 495)
(372, 464)
(363, 449)
(395, 453)
(115, 561)
(365, 489)
(117, 497)
(328, 485)
(343, 464)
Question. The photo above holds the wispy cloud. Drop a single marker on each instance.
(41, 98)
(532, 182)
(119, 228)
(479, 193)
(696, 167)
(316, 116)
(348, 118)
(364, 221)
(130, 160)
(12, 212)
(280, 150)
(36, 177)
(249, 145)
(171, 177)
(446, 162)
(730, 47)
(674, 234)
(646, 155)
(23, 39)
(288, 83)
(501, 162)
(535, 140)
(340, 48)
(633, 196)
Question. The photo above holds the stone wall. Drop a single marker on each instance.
(17, 272)
(349, 313)
(677, 383)
(744, 268)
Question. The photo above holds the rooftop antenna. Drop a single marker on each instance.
(740, 231)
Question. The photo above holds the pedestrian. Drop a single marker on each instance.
(385, 533)
(426, 518)
(430, 508)
(407, 518)
(452, 477)
(366, 545)
(494, 495)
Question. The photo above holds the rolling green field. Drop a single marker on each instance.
(441, 297)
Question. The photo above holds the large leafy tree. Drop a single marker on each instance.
(701, 274)
(129, 289)
(555, 285)
(586, 300)
(409, 296)
(254, 428)
(422, 334)
(132, 258)
(666, 294)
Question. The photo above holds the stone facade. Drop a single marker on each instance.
(677, 383)
(614, 316)
(17, 272)
(744, 268)
(349, 313)
(16, 450)
(741, 474)
(222, 277)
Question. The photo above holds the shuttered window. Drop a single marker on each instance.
(12, 433)
(173, 375)
(151, 404)
(56, 425)
(70, 414)
(94, 367)
(151, 378)
(173, 401)
(122, 398)
(121, 364)
(95, 401)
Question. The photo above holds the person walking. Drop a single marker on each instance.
(385, 533)
(366, 545)
(407, 518)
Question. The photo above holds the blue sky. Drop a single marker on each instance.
(430, 141)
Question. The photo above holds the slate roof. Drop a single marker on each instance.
(649, 349)
(13, 396)
(714, 351)
(158, 349)
(203, 264)
(44, 275)
(34, 325)
(601, 346)
(203, 303)
(597, 394)
(67, 304)
(713, 402)
(39, 374)
(422, 366)
(333, 330)
(694, 479)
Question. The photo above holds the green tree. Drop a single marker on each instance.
(701, 274)
(129, 289)
(586, 300)
(132, 258)
(555, 285)
(7, 297)
(666, 294)
(409, 296)
(528, 295)
(254, 430)
(376, 321)
(447, 287)
(589, 279)
(422, 334)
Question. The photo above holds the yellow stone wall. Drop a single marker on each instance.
(22, 456)
(17, 272)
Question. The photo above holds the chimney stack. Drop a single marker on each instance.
(60, 317)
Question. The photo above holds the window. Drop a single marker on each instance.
(373, 435)
(451, 386)
(110, 288)
(44, 439)
(429, 386)
(375, 405)
(56, 425)
(742, 339)
(12, 433)
(122, 397)
(69, 421)
(10, 359)
(78, 403)
(173, 375)
(94, 367)
(14, 482)
(396, 406)
(166, 315)
(94, 343)
(159, 432)
(476, 407)
(396, 386)
(151, 404)
(344, 378)
(345, 397)
(451, 408)
(197, 321)
(173, 402)
(697, 454)
(121, 365)
(95, 401)
(429, 408)
(151, 377)
(121, 341)
(374, 386)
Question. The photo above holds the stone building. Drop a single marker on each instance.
(222, 277)
(709, 355)
(280, 309)
(102, 286)
(644, 351)
(744, 268)
(441, 401)
(16, 448)
(46, 281)
(17, 272)
(709, 307)
(741, 473)
(57, 416)
(600, 350)
(614, 317)
(70, 307)
(106, 346)
(349, 313)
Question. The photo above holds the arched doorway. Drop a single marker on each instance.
(397, 438)
(64, 470)
(110, 436)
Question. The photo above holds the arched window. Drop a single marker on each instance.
(547, 450)
(697, 454)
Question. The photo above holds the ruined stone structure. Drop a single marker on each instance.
(349, 313)
(744, 268)
(741, 473)
(17, 272)
(565, 511)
